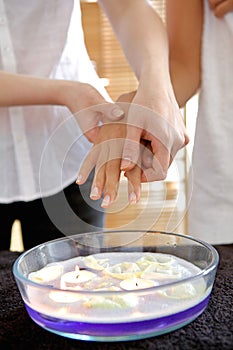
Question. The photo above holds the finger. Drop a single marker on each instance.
(131, 149)
(147, 156)
(113, 171)
(134, 184)
(92, 134)
(87, 165)
(112, 182)
(100, 173)
(161, 160)
(98, 183)
(157, 169)
(223, 8)
(109, 111)
(214, 3)
(101, 162)
(148, 175)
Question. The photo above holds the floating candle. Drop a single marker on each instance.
(136, 283)
(73, 279)
(122, 290)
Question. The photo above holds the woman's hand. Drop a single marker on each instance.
(221, 7)
(88, 107)
(156, 122)
(83, 100)
(106, 156)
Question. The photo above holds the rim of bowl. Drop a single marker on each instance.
(213, 265)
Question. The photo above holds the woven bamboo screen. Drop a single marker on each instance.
(105, 50)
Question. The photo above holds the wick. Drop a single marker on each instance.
(77, 276)
(136, 284)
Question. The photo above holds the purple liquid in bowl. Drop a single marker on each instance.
(119, 331)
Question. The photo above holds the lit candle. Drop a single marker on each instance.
(136, 283)
(74, 278)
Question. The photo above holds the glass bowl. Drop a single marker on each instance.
(116, 285)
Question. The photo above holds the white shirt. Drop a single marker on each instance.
(41, 147)
(211, 190)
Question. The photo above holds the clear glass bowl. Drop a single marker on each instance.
(103, 312)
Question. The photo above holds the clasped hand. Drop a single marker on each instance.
(142, 145)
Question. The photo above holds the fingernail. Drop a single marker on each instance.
(106, 201)
(94, 192)
(79, 179)
(117, 112)
(132, 198)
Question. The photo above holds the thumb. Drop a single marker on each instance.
(131, 151)
(109, 111)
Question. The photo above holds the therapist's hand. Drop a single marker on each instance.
(89, 107)
(157, 122)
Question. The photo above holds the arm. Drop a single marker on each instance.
(144, 41)
(153, 115)
(141, 34)
(83, 100)
(19, 90)
(184, 26)
(105, 157)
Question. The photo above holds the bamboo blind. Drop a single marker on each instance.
(105, 51)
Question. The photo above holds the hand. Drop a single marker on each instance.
(141, 134)
(105, 156)
(161, 128)
(89, 107)
(221, 7)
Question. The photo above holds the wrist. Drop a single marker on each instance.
(59, 92)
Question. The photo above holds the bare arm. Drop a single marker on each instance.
(142, 36)
(184, 25)
(21, 90)
(87, 105)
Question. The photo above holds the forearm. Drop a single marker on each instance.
(184, 26)
(16, 89)
(142, 36)
(185, 81)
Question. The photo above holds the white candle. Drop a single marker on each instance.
(136, 283)
(74, 278)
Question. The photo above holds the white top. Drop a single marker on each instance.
(211, 207)
(41, 147)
